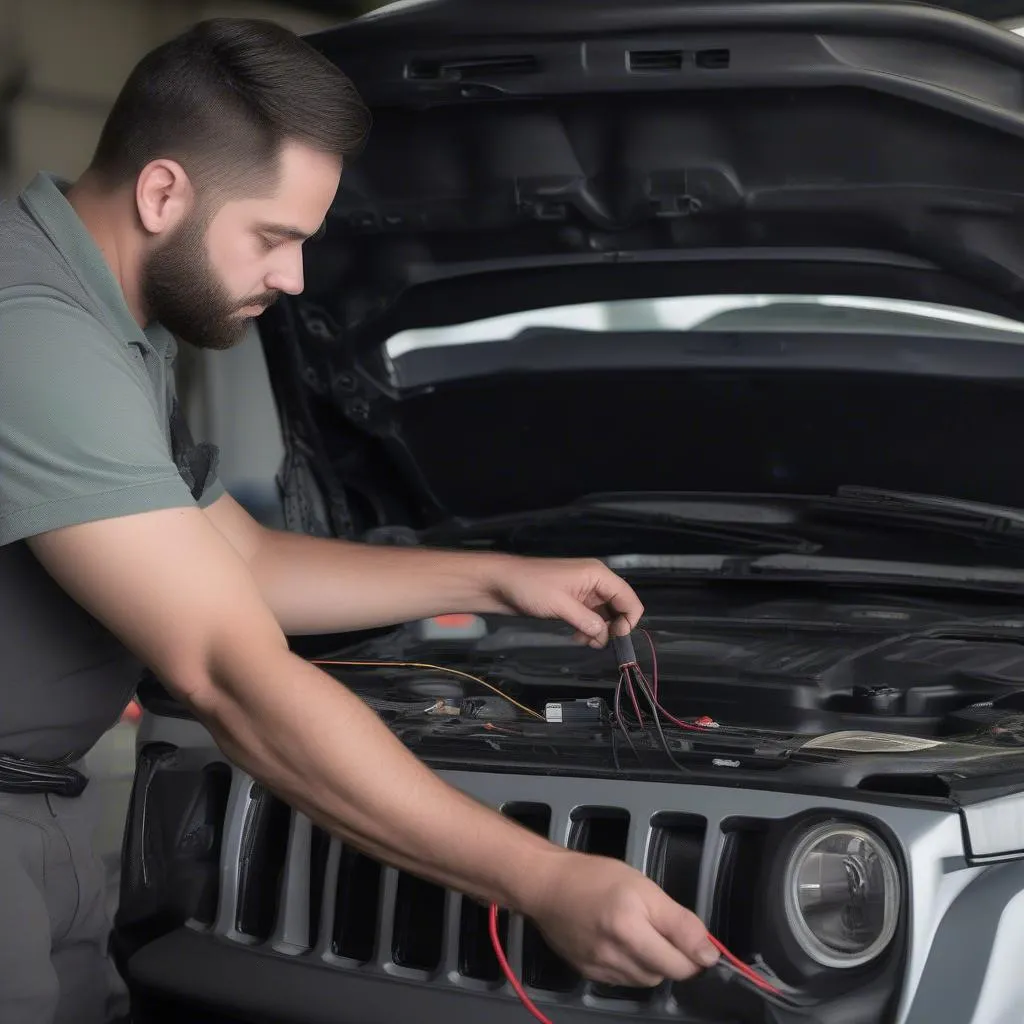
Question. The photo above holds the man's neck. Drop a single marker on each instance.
(107, 216)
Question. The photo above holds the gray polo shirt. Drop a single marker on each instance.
(86, 403)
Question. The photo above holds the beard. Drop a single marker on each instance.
(181, 290)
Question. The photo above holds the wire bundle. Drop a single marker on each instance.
(633, 681)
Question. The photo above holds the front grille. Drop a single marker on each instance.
(292, 888)
(306, 894)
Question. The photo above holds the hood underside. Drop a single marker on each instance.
(600, 151)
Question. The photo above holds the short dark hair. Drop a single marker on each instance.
(222, 99)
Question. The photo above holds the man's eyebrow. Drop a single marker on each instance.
(295, 234)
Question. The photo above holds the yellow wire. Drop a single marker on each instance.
(435, 668)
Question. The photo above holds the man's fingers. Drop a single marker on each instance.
(625, 973)
(625, 609)
(583, 619)
(684, 931)
(655, 957)
(607, 606)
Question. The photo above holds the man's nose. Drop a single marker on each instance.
(287, 276)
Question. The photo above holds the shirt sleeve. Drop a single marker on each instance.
(80, 431)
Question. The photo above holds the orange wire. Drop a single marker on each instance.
(434, 668)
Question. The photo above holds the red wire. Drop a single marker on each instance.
(745, 969)
(508, 972)
(675, 721)
(632, 694)
(654, 662)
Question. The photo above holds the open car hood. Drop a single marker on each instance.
(528, 156)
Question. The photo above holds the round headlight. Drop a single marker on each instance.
(842, 895)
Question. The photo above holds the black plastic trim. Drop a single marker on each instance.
(261, 987)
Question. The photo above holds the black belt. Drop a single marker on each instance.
(19, 775)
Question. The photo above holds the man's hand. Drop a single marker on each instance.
(616, 926)
(583, 592)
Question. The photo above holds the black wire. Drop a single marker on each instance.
(645, 689)
(620, 722)
(645, 729)
(615, 750)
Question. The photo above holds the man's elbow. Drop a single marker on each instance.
(225, 666)
(194, 684)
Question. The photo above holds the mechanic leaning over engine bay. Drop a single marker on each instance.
(121, 549)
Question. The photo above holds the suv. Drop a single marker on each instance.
(731, 297)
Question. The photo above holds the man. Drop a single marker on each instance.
(118, 547)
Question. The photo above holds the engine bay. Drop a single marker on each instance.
(860, 686)
(785, 667)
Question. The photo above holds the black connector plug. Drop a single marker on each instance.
(792, 1004)
(623, 648)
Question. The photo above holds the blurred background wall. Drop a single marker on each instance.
(62, 63)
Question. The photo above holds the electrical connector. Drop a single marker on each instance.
(582, 711)
(623, 648)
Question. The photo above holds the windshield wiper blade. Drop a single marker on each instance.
(933, 509)
(751, 537)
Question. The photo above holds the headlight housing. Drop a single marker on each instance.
(842, 895)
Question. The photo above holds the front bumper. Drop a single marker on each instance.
(275, 944)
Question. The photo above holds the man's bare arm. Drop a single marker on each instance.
(315, 585)
(182, 598)
(184, 602)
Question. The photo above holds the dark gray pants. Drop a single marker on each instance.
(54, 914)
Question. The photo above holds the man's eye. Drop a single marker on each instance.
(267, 243)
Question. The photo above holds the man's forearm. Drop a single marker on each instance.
(314, 585)
(326, 753)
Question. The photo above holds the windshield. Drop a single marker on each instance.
(747, 313)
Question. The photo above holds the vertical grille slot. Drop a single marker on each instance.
(357, 906)
(604, 831)
(543, 968)
(738, 888)
(320, 845)
(264, 849)
(677, 843)
(418, 937)
(476, 956)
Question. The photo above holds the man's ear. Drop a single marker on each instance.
(163, 196)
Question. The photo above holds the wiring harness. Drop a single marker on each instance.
(633, 681)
